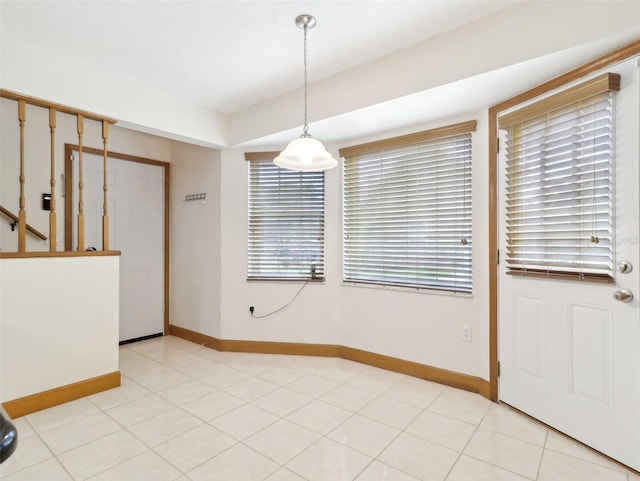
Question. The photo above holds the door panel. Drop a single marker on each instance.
(529, 335)
(569, 353)
(136, 228)
(590, 354)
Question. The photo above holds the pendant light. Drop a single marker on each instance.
(305, 153)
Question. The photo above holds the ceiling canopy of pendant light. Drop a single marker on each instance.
(305, 153)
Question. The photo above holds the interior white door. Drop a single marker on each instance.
(136, 228)
(569, 353)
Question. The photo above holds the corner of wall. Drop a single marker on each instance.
(195, 238)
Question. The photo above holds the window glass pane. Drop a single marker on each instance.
(286, 223)
(407, 215)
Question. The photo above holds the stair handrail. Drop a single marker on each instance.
(15, 219)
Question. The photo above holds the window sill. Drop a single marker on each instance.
(318, 280)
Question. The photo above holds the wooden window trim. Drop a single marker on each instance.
(595, 86)
(446, 131)
(260, 156)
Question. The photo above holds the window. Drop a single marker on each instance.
(559, 199)
(286, 221)
(407, 210)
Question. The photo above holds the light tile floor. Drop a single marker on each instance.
(185, 412)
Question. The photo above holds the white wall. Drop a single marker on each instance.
(195, 239)
(423, 326)
(58, 322)
(38, 164)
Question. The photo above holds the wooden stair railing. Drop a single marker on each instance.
(16, 220)
(21, 218)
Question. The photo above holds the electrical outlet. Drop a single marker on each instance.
(466, 333)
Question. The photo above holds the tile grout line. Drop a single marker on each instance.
(475, 430)
(342, 374)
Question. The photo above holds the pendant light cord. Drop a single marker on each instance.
(305, 130)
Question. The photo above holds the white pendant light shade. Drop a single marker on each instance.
(305, 154)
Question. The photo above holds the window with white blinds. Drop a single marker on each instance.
(559, 197)
(286, 221)
(407, 210)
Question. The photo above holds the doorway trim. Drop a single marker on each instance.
(616, 56)
(68, 208)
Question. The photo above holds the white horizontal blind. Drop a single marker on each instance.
(407, 215)
(286, 223)
(559, 196)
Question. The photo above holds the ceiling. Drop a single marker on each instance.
(230, 56)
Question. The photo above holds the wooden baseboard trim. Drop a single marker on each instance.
(270, 347)
(46, 399)
(193, 336)
(422, 371)
(259, 347)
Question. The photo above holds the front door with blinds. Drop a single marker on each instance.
(569, 332)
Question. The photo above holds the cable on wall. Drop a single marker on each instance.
(281, 308)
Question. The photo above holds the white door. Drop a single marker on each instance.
(136, 228)
(569, 353)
